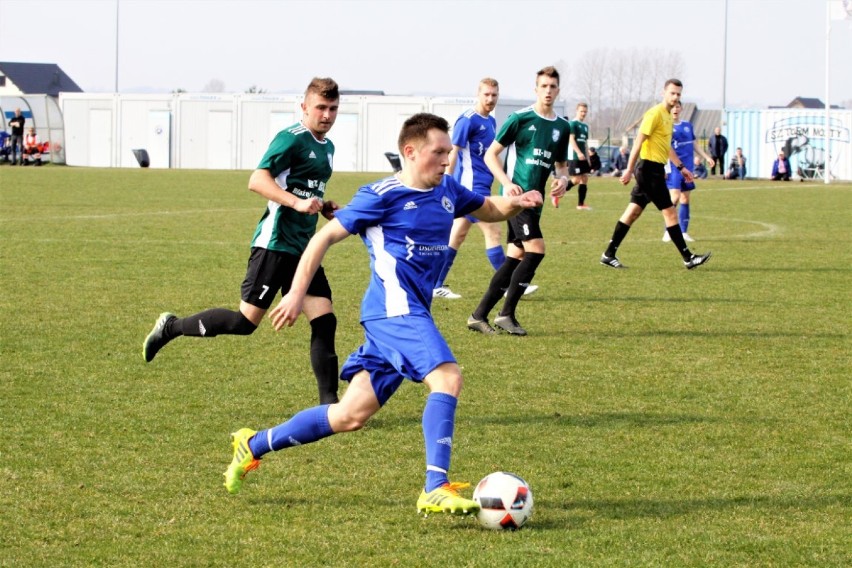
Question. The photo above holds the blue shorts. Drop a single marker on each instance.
(676, 181)
(402, 347)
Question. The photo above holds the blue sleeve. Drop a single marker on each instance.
(365, 210)
(465, 200)
(461, 131)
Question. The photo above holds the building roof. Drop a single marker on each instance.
(806, 102)
(39, 78)
(703, 121)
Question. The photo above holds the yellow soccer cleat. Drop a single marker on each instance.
(243, 461)
(446, 499)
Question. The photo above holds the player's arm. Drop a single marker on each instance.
(709, 159)
(288, 309)
(492, 160)
(262, 183)
(499, 208)
(678, 164)
(634, 157)
(453, 158)
(572, 141)
(560, 180)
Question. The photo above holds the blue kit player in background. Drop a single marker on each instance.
(683, 143)
(473, 133)
(405, 223)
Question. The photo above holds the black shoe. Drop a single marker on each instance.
(510, 325)
(696, 260)
(481, 326)
(611, 261)
(156, 340)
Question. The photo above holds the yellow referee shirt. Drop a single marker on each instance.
(657, 127)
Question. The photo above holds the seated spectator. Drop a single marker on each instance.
(737, 169)
(619, 164)
(700, 171)
(32, 147)
(781, 168)
(594, 162)
(5, 146)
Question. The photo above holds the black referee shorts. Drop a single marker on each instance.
(651, 185)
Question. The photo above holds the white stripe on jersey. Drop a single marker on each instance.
(511, 158)
(268, 226)
(384, 185)
(396, 300)
(466, 179)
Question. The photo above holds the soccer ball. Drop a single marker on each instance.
(505, 501)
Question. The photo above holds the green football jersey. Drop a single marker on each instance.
(301, 165)
(533, 143)
(580, 130)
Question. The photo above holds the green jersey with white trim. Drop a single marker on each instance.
(580, 130)
(301, 165)
(533, 143)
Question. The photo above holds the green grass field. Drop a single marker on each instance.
(663, 417)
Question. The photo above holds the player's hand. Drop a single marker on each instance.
(625, 177)
(309, 206)
(328, 209)
(711, 162)
(512, 190)
(287, 311)
(687, 175)
(529, 199)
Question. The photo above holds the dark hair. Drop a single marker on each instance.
(675, 82)
(418, 126)
(325, 87)
(550, 71)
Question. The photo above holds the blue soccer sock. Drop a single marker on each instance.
(307, 426)
(448, 264)
(496, 256)
(683, 216)
(439, 417)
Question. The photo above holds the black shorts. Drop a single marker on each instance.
(578, 167)
(651, 186)
(269, 271)
(524, 226)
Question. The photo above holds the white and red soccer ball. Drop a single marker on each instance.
(505, 501)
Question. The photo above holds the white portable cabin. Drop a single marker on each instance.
(232, 131)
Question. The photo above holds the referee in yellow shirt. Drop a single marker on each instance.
(652, 149)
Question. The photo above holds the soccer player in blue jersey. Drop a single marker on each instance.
(292, 176)
(405, 223)
(683, 143)
(473, 133)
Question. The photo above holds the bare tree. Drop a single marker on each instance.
(214, 86)
(255, 90)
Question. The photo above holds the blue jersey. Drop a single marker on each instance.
(406, 231)
(683, 142)
(474, 133)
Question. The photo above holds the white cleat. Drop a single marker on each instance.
(445, 292)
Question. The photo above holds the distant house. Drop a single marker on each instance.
(34, 79)
(806, 102)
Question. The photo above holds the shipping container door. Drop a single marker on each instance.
(159, 138)
(100, 138)
(220, 142)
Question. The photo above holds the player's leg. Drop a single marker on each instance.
(522, 277)
(493, 246)
(261, 284)
(683, 214)
(582, 190)
(318, 310)
(461, 226)
(478, 321)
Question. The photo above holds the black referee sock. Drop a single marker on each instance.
(677, 240)
(324, 357)
(499, 282)
(617, 236)
(210, 323)
(521, 278)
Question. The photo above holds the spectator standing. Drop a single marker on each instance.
(17, 126)
(717, 146)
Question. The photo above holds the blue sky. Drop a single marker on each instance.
(776, 48)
